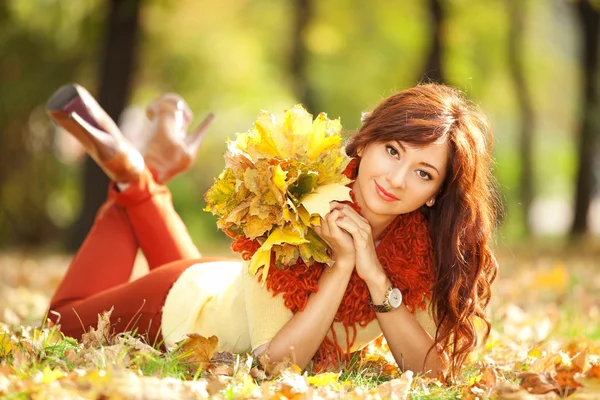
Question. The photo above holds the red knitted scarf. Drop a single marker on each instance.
(405, 253)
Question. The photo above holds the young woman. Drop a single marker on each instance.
(412, 257)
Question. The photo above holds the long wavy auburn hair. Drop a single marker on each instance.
(466, 210)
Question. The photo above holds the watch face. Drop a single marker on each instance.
(395, 298)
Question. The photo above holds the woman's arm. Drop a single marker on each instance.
(406, 338)
(408, 341)
(305, 331)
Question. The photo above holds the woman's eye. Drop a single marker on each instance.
(424, 174)
(391, 150)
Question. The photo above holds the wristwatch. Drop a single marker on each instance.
(392, 300)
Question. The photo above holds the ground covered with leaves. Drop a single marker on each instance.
(545, 344)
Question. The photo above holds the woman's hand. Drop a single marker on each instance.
(367, 265)
(340, 242)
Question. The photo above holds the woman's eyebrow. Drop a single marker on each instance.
(422, 162)
(430, 166)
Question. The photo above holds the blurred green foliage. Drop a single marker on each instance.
(232, 57)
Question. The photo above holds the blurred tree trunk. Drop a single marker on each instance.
(589, 18)
(117, 67)
(517, 14)
(303, 11)
(34, 63)
(433, 69)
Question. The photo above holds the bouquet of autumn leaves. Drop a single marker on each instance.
(278, 179)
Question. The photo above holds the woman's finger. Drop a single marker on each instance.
(348, 225)
(323, 229)
(348, 211)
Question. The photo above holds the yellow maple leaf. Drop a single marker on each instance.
(315, 249)
(237, 161)
(237, 215)
(257, 143)
(252, 180)
(97, 378)
(220, 193)
(5, 344)
(318, 201)
(247, 386)
(325, 135)
(304, 216)
(262, 257)
(50, 375)
(294, 132)
(278, 182)
(286, 253)
(556, 279)
(198, 350)
(256, 226)
(325, 379)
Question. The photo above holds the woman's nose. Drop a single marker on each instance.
(397, 177)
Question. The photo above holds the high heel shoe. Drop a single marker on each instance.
(169, 150)
(73, 108)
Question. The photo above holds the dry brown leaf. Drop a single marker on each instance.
(216, 384)
(566, 379)
(258, 374)
(538, 383)
(489, 376)
(545, 363)
(396, 388)
(198, 350)
(594, 371)
(136, 344)
(223, 357)
(220, 369)
(274, 368)
(292, 387)
(100, 336)
(580, 361)
(6, 369)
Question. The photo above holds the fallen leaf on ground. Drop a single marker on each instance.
(538, 383)
(324, 379)
(100, 336)
(198, 350)
(396, 389)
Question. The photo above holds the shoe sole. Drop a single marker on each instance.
(61, 98)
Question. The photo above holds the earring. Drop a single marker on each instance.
(430, 202)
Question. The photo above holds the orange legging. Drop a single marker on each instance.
(98, 277)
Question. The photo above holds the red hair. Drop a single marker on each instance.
(467, 207)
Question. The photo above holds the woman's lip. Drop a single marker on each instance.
(384, 194)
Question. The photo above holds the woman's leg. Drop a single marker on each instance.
(104, 260)
(159, 230)
(137, 305)
(98, 277)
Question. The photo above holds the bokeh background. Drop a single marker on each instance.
(532, 65)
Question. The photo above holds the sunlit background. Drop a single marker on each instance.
(522, 61)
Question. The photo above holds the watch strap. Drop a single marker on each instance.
(385, 307)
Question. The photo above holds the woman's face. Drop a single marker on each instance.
(396, 178)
